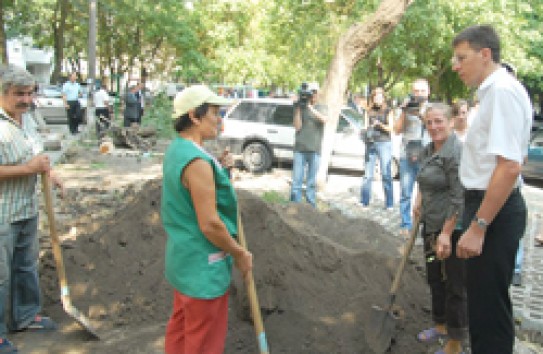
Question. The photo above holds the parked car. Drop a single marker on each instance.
(261, 131)
(50, 104)
(533, 168)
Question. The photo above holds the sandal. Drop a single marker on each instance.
(430, 335)
(6, 347)
(41, 323)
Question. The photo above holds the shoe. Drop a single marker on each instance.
(430, 335)
(6, 347)
(41, 323)
(517, 279)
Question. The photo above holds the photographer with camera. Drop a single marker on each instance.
(309, 120)
(410, 125)
(377, 136)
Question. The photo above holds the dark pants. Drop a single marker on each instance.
(103, 120)
(447, 280)
(74, 112)
(489, 275)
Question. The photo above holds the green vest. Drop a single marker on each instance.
(194, 266)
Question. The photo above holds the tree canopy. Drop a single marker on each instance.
(276, 43)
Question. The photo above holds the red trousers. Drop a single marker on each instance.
(197, 326)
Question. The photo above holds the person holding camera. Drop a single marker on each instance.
(411, 126)
(309, 120)
(377, 136)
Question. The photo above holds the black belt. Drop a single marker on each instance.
(480, 193)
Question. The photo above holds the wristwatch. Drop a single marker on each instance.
(482, 223)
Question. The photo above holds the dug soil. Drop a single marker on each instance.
(318, 274)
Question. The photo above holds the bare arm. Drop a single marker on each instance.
(38, 164)
(198, 178)
(318, 114)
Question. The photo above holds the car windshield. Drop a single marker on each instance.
(51, 92)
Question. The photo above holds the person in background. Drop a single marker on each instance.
(131, 107)
(410, 125)
(494, 210)
(309, 120)
(140, 97)
(21, 161)
(460, 119)
(199, 213)
(439, 205)
(103, 110)
(377, 136)
(71, 91)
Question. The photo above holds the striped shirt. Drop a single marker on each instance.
(18, 144)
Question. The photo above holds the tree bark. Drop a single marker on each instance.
(59, 24)
(3, 40)
(359, 40)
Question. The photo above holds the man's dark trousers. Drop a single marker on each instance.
(74, 110)
(489, 275)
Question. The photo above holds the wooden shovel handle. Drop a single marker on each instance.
(55, 242)
(253, 298)
(409, 247)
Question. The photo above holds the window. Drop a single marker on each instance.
(253, 111)
(283, 115)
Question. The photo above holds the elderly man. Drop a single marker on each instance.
(21, 161)
(495, 212)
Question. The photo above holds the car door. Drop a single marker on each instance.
(533, 168)
(348, 149)
(281, 131)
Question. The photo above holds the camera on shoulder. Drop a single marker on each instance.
(304, 95)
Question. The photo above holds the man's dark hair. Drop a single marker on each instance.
(479, 37)
(183, 122)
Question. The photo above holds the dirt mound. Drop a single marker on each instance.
(317, 275)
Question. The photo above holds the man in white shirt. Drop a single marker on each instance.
(495, 211)
(101, 102)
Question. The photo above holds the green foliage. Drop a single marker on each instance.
(274, 197)
(159, 116)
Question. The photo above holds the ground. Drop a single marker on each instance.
(318, 273)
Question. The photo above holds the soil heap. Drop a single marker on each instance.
(317, 276)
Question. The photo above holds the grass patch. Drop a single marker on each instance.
(274, 197)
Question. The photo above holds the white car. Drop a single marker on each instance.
(261, 131)
(50, 104)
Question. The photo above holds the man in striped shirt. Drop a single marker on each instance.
(21, 161)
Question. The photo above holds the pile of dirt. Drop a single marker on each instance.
(317, 276)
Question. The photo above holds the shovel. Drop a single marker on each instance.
(382, 320)
(57, 254)
(253, 298)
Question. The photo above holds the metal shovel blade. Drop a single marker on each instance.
(380, 331)
(80, 318)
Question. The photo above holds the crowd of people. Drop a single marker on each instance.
(469, 199)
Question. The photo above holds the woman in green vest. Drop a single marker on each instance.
(199, 214)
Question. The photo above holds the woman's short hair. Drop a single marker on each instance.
(457, 105)
(440, 106)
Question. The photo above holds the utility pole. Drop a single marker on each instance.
(91, 77)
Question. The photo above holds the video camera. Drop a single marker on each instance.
(304, 95)
(413, 105)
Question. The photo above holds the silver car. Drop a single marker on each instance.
(533, 168)
(50, 105)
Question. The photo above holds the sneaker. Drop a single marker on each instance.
(6, 347)
(517, 279)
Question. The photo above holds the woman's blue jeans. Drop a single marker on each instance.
(383, 151)
(19, 284)
(408, 175)
(301, 160)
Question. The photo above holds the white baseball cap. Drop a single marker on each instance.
(195, 96)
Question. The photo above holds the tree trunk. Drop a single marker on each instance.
(359, 40)
(59, 24)
(3, 44)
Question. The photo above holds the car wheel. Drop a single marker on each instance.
(257, 157)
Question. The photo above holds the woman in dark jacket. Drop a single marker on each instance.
(377, 136)
(439, 204)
